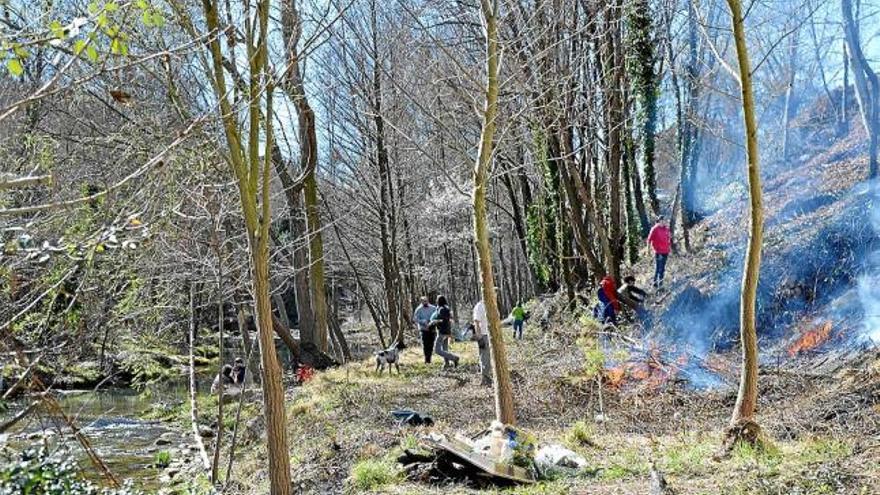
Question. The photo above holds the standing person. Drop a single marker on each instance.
(660, 241)
(442, 321)
(519, 317)
(481, 335)
(422, 317)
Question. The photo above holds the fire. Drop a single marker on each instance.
(810, 339)
(650, 374)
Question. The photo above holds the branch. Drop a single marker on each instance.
(11, 182)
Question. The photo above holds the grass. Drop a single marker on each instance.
(162, 459)
(580, 435)
(343, 437)
(371, 474)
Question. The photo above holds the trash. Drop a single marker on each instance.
(556, 456)
(500, 455)
(408, 417)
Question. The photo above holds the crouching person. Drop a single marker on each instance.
(633, 296)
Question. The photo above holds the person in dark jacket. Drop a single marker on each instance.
(441, 320)
(633, 296)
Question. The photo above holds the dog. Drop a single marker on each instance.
(390, 356)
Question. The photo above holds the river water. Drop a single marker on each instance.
(112, 421)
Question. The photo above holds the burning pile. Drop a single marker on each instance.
(651, 371)
(811, 339)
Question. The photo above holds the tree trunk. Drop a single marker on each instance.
(614, 123)
(746, 400)
(504, 410)
(867, 85)
(787, 110)
(308, 149)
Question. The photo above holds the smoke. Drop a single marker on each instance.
(868, 288)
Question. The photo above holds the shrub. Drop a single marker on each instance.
(162, 459)
(35, 471)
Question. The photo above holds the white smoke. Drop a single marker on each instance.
(869, 282)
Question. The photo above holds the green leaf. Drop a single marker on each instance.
(92, 53)
(93, 8)
(13, 65)
(111, 6)
(57, 29)
(146, 18)
(79, 46)
(21, 52)
(158, 19)
(142, 4)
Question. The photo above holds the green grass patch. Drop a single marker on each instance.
(580, 435)
(371, 474)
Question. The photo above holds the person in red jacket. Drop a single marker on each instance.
(609, 305)
(660, 241)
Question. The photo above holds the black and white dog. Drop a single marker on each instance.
(390, 356)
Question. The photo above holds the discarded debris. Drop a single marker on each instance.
(501, 455)
(408, 417)
(556, 456)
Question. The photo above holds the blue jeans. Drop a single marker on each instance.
(517, 329)
(660, 268)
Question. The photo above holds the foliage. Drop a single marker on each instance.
(162, 459)
(35, 471)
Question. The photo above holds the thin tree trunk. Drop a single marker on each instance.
(215, 464)
(504, 409)
(867, 85)
(193, 405)
(747, 397)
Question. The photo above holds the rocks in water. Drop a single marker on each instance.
(168, 438)
(206, 431)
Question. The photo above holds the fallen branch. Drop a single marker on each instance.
(18, 417)
(16, 182)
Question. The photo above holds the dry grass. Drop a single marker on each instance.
(344, 438)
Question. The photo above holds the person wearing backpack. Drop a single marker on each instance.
(441, 320)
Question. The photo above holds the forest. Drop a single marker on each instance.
(439, 246)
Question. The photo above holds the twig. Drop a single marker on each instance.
(238, 418)
(193, 413)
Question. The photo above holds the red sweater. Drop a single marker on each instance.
(660, 239)
(609, 288)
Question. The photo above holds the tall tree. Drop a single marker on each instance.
(308, 149)
(641, 66)
(742, 423)
(252, 178)
(866, 82)
(504, 410)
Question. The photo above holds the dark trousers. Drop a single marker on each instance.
(428, 337)
(660, 268)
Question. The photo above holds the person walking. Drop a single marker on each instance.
(442, 321)
(422, 317)
(660, 241)
(481, 336)
(519, 317)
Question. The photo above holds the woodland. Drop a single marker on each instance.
(219, 220)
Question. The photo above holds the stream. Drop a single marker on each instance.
(112, 419)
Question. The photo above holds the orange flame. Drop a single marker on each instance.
(810, 339)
